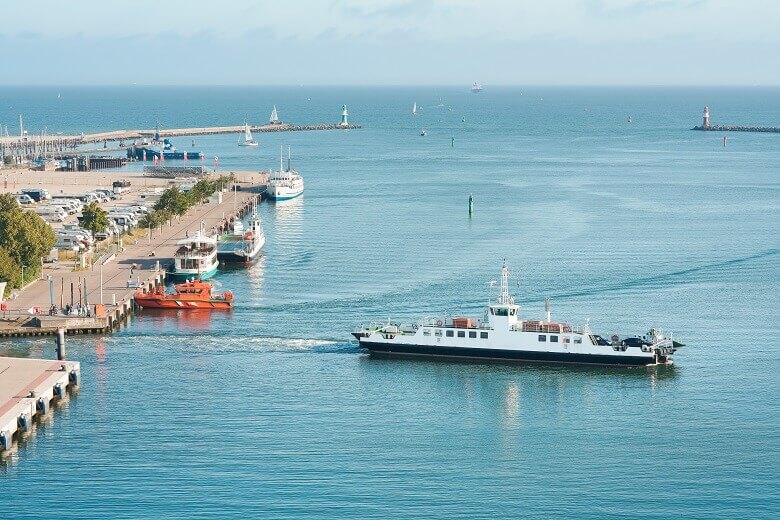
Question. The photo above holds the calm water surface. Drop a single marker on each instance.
(272, 411)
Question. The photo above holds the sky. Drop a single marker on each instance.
(390, 42)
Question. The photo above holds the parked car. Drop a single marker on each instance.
(24, 199)
(108, 193)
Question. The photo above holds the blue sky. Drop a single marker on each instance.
(389, 42)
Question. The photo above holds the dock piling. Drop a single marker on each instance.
(60, 344)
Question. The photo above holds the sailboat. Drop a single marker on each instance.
(274, 119)
(248, 140)
(414, 109)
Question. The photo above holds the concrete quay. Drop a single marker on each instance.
(28, 387)
(107, 286)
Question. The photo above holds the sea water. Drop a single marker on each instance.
(273, 411)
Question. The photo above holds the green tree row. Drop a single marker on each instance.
(174, 202)
(25, 238)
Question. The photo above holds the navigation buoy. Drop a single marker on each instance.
(471, 204)
(724, 141)
(453, 142)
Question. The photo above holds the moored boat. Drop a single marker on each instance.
(242, 246)
(284, 184)
(191, 295)
(502, 335)
(195, 258)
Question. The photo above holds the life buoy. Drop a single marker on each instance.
(438, 323)
(37, 310)
(615, 338)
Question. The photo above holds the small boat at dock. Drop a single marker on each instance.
(193, 295)
(196, 258)
(242, 246)
(284, 184)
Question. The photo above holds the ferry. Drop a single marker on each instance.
(503, 335)
(284, 184)
(193, 295)
(195, 258)
(239, 246)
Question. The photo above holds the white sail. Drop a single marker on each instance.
(247, 133)
(274, 117)
(414, 109)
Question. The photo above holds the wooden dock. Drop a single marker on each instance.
(28, 387)
(140, 264)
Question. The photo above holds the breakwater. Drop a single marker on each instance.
(31, 146)
(737, 128)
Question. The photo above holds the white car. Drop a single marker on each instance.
(24, 199)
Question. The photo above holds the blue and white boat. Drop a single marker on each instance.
(196, 258)
(284, 184)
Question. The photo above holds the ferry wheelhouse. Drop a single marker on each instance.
(196, 258)
(502, 334)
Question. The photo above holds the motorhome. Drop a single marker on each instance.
(51, 213)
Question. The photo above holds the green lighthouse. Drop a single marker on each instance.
(344, 115)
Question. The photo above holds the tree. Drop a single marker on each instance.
(203, 188)
(94, 218)
(24, 236)
(8, 270)
(173, 200)
(155, 219)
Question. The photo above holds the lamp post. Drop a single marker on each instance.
(101, 283)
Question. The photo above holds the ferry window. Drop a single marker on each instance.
(577, 340)
(483, 335)
(554, 339)
(491, 311)
(512, 312)
(450, 333)
(542, 338)
(438, 332)
(472, 333)
(426, 332)
(461, 333)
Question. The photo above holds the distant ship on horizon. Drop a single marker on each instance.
(476, 87)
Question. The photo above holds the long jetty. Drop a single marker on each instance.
(42, 145)
(738, 128)
(28, 388)
(108, 285)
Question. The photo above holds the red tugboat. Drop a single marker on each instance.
(192, 295)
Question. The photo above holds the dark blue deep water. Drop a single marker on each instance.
(272, 412)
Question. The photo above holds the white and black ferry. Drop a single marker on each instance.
(502, 334)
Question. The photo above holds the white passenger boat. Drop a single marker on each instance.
(247, 139)
(502, 334)
(239, 246)
(196, 258)
(284, 184)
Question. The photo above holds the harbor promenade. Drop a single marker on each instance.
(110, 281)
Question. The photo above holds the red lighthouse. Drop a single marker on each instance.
(706, 122)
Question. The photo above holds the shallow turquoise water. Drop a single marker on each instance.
(272, 411)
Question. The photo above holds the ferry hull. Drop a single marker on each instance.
(522, 356)
(178, 275)
(279, 196)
